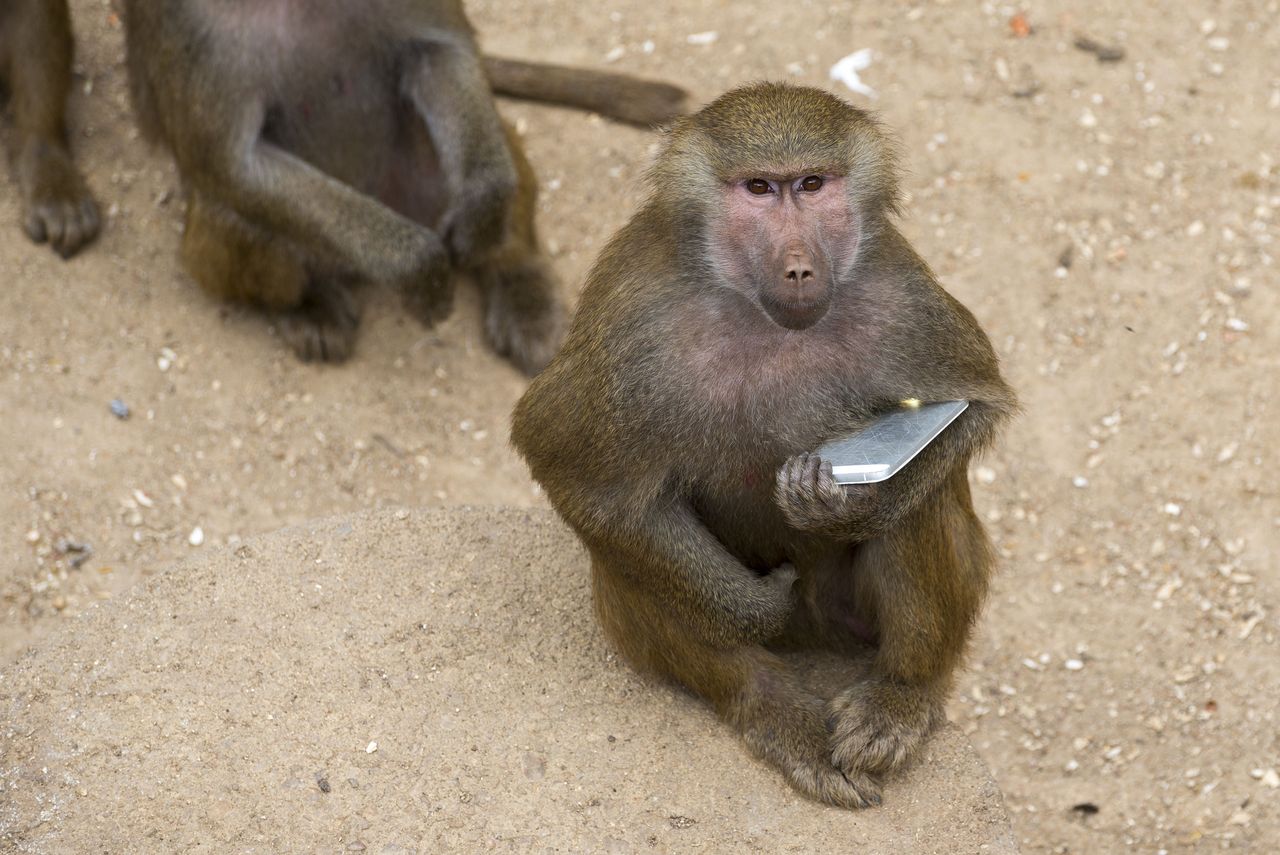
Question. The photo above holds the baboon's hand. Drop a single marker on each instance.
(811, 500)
(427, 293)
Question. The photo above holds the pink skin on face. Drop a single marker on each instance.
(783, 241)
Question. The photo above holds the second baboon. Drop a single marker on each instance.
(328, 143)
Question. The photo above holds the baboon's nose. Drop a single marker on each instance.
(799, 270)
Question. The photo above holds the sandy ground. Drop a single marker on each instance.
(1113, 225)
(384, 683)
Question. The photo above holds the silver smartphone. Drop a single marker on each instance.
(882, 448)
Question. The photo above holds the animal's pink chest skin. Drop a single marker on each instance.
(741, 360)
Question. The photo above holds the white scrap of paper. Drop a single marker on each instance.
(846, 71)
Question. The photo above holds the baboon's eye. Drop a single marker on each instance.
(758, 186)
(811, 183)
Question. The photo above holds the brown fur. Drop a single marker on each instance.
(672, 432)
(35, 71)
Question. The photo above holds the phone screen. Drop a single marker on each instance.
(882, 448)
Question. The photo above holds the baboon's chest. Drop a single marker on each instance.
(329, 76)
(352, 122)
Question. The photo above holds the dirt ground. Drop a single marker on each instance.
(1112, 224)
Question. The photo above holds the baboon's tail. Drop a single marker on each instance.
(617, 96)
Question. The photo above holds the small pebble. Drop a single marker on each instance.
(1067, 257)
(707, 38)
(119, 409)
(196, 537)
(1073, 664)
(371, 747)
(78, 553)
(535, 768)
(1104, 53)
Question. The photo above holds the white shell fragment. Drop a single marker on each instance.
(846, 71)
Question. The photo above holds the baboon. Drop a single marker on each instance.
(760, 303)
(35, 76)
(327, 144)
